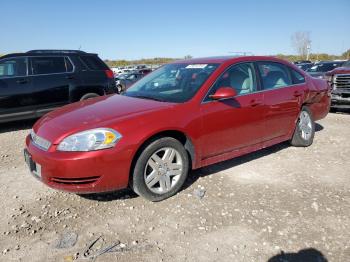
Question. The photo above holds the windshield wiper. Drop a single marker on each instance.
(150, 98)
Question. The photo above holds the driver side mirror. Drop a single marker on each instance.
(224, 93)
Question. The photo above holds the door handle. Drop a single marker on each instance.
(69, 77)
(22, 81)
(297, 94)
(255, 102)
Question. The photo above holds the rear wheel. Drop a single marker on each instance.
(89, 96)
(305, 129)
(161, 169)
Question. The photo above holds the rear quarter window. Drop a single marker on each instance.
(93, 63)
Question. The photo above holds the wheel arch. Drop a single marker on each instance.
(77, 94)
(178, 135)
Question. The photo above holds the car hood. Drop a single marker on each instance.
(339, 70)
(99, 112)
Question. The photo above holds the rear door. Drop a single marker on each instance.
(51, 81)
(15, 89)
(233, 124)
(282, 99)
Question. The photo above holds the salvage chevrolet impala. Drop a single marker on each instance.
(183, 116)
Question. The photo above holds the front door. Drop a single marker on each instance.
(15, 89)
(233, 124)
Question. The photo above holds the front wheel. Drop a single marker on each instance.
(305, 129)
(161, 169)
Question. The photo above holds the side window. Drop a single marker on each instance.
(241, 77)
(274, 75)
(48, 65)
(13, 67)
(297, 78)
(93, 62)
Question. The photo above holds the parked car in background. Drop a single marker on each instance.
(124, 81)
(320, 69)
(305, 66)
(339, 79)
(183, 116)
(36, 82)
(302, 62)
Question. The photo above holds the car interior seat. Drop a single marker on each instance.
(275, 79)
(240, 81)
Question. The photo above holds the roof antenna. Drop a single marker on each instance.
(79, 47)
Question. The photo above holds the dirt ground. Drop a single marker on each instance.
(280, 199)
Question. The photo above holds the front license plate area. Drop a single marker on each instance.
(34, 168)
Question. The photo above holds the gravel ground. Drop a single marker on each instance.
(252, 208)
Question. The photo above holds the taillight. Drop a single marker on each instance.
(109, 73)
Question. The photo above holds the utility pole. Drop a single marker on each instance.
(308, 47)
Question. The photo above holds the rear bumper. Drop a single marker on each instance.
(82, 172)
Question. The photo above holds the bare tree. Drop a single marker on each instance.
(301, 42)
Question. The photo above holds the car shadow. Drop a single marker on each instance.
(344, 111)
(318, 127)
(16, 125)
(126, 193)
(218, 167)
(303, 255)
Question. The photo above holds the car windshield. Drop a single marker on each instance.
(323, 67)
(347, 64)
(175, 83)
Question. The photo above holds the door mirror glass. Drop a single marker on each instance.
(224, 93)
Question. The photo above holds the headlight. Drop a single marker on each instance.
(90, 140)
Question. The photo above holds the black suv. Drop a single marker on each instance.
(36, 82)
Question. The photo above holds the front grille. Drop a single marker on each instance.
(342, 81)
(75, 181)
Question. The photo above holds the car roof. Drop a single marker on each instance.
(328, 62)
(206, 60)
(47, 52)
(223, 59)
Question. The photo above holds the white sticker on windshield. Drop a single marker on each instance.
(200, 66)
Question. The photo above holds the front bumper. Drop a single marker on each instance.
(340, 98)
(80, 172)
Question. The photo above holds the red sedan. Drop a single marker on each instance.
(183, 116)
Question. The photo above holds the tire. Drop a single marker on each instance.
(119, 89)
(164, 178)
(89, 96)
(305, 129)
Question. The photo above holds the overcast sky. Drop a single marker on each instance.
(155, 28)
